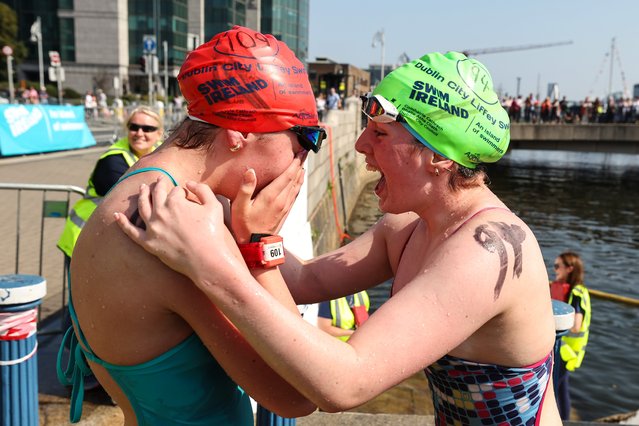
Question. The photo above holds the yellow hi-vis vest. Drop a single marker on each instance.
(341, 311)
(84, 207)
(573, 345)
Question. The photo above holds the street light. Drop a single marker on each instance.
(379, 38)
(518, 85)
(36, 37)
(8, 52)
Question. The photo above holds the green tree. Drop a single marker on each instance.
(8, 37)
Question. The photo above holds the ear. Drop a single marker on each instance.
(235, 140)
(438, 162)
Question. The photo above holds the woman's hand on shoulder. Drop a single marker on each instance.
(265, 213)
(183, 226)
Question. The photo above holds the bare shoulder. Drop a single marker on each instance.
(505, 275)
(394, 223)
(397, 230)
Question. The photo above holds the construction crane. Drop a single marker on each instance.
(486, 51)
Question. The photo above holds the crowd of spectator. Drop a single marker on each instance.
(29, 95)
(555, 110)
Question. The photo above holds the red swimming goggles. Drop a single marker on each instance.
(379, 109)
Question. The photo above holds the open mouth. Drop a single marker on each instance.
(381, 183)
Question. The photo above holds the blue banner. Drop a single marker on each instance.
(31, 129)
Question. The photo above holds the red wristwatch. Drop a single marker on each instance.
(264, 251)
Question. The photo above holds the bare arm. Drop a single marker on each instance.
(579, 318)
(436, 309)
(367, 261)
(325, 324)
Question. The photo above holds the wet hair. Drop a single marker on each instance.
(146, 111)
(576, 276)
(193, 134)
(462, 177)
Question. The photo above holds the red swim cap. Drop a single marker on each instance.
(249, 82)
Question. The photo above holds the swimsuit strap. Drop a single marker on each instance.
(148, 169)
(77, 367)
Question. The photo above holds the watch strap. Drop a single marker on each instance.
(266, 252)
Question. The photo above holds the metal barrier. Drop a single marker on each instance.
(39, 217)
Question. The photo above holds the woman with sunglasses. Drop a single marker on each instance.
(469, 302)
(159, 347)
(144, 134)
(569, 287)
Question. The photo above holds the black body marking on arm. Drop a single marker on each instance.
(493, 241)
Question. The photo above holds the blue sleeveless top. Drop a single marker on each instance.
(183, 386)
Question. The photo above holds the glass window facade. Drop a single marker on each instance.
(287, 20)
(67, 39)
(221, 15)
(167, 20)
(27, 12)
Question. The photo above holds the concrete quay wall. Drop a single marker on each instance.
(336, 177)
(610, 138)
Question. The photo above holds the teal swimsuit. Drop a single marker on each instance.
(183, 386)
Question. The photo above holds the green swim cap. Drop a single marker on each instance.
(450, 106)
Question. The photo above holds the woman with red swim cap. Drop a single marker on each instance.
(160, 348)
(469, 303)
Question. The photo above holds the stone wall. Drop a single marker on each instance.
(336, 176)
(608, 138)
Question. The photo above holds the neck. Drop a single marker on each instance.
(444, 214)
(183, 164)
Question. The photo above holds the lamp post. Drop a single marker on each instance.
(379, 37)
(165, 46)
(36, 37)
(518, 85)
(8, 52)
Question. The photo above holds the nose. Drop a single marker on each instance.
(362, 142)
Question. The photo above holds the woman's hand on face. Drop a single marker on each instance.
(178, 228)
(265, 214)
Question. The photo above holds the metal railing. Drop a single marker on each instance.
(35, 224)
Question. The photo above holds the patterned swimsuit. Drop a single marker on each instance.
(470, 393)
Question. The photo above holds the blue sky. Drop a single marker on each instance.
(343, 30)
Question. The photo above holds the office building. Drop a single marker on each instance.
(112, 44)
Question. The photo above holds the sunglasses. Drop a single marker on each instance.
(146, 129)
(558, 265)
(379, 109)
(309, 137)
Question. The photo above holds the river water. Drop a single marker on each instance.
(588, 204)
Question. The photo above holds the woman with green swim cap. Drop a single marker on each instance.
(469, 303)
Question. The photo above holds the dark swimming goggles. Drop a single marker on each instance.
(379, 109)
(309, 137)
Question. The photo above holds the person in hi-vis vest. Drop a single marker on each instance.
(341, 317)
(568, 287)
(144, 134)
